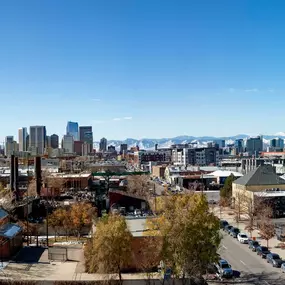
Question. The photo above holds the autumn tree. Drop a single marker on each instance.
(81, 215)
(226, 191)
(190, 234)
(32, 188)
(110, 249)
(267, 230)
(60, 219)
(6, 199)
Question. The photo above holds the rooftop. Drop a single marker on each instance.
(262, 175)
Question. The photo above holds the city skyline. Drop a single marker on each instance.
(141, 69)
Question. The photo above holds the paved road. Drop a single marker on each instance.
(253, 269)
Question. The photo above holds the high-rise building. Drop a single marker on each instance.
(123, 148)
(22, 135)
(254, 145)
(68, 144)
(221, 143)
(277, 144)
(72, 129)
(78, 147)
(239, 146)
(103, 144)
(47, 143)
(86, 135)
(54, 141)
(37, 139)
(10, 145)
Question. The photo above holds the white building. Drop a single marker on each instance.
(37, 139)
(68, 144)
(22, 136)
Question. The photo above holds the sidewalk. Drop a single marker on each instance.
(225, 215)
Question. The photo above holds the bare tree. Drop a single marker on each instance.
(139, 185)
(267, 230)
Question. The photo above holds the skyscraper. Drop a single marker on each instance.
(72, 129)
(37, 138)
(103, 144)
(68, 143)
(10, 145)
(54, 141)
(254, 145)
(86, 135)
(22, 134)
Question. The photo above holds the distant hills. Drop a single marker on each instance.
(167, 142)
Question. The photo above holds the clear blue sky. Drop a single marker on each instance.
(169, 68)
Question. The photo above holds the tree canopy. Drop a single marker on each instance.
(190, 234)
(226, 191)
(110, 248)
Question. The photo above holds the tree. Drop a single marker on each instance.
(226, 191)
(190, 234)
(58, 219)
(6, 199)
(32, 188)
(267, 230)
(139, 185)
(110, 249)
(149, 256)
(81, 215)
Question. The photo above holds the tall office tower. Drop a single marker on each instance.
(86, 135)
(68, 144)
(54, 141)
(27, 142)
(22, 135)
(103, 144)
(123, 148)
(37, 139)
(72, 129)
(254, 145)
(9, 145)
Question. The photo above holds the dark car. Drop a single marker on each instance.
(253, 245)
(262, 251)
(274, 259)
(223, 224)
(224, 269)
(228, 228)
(234, 232)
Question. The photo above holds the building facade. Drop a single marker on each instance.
(54, 141)
(10, 146)
(68, 143)
(277, 144)
(86, 136)
(103, 144)
(78, 147)
(254, 145)
(22, 135)
(72, 129)
(123, 148)
(37, 138)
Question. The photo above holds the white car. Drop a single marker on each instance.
(242, 238)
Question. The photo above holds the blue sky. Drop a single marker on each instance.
(143, 68)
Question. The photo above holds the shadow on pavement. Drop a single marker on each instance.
(29, 255)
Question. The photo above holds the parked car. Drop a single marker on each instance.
(223, 224)
(274, 259)
(228, 228)
(262, 251)
(242, 238)
(224, 269)
(253, 244)
(234, 232)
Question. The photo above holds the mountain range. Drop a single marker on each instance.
(167, 142)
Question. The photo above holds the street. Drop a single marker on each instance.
(253, 269)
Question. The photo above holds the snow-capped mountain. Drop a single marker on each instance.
(167, 142)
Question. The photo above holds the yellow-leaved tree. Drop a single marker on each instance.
(190, 234)
(110, 249)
